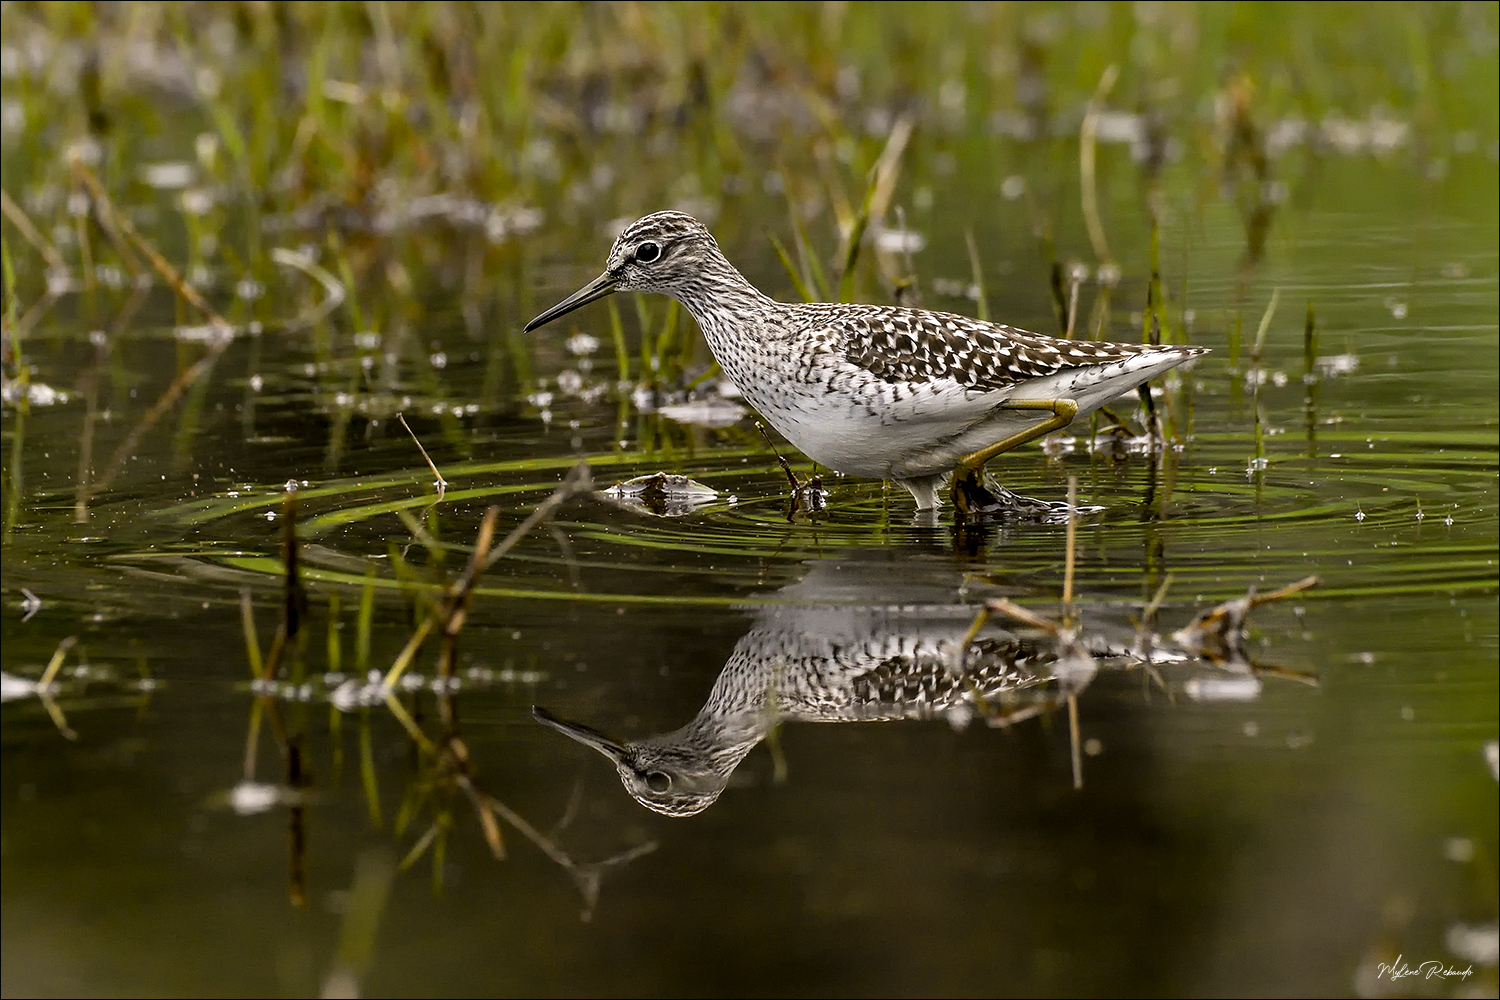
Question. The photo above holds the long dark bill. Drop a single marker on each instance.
(593, 291)
(583, 734)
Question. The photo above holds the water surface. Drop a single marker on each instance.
(1278, 829)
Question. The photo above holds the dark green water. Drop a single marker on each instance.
(1232, 833)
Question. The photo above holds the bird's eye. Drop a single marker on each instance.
(646, 253)
(658, 781)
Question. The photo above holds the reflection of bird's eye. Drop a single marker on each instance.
(646, 253)
(658, 781)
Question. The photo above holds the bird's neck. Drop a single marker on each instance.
(722, 300)
(740, 710)
(720, 742)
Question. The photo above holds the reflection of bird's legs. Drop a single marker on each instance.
(968, 494)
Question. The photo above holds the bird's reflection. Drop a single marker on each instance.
(856, 641)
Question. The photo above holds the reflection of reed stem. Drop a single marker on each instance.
(1072, 549)
(252, 643)
(91, 413)
(17, 477)
(1073, 741)
(373, 874)
(368, 780)
(252, 738)
(55, 664)
(296, 830)
(1310, 379)
(121, 224)
(452, 607)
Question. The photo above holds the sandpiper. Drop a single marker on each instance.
(906, 654)
(884, 392)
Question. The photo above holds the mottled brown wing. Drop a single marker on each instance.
(917, 346)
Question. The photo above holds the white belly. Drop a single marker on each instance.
(874, 429)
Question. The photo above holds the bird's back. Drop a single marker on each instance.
(928, 387)
(903, 345)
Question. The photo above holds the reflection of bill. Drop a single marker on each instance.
(1399, 970)
(829, 661)
(884, 637)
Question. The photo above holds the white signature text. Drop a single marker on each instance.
(1399, 970)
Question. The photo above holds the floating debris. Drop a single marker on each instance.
(251, 798)
(809, 497)
(167, 176)
(352, 695)
(955, 288)
(207, 333)
(1234, 688)
(35, 393)
(1058, 445)
(14, 688)
(349, 694)
(1119, 443)
(899, 241)
(705, 412)
(663, 494)
(1218, 634)
(1333, 365)
(1377, 134)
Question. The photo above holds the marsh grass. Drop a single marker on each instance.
(348, 169)
(444, 772)
(385, 138)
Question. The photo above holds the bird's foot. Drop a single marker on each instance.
(974, 498)
(808, 497)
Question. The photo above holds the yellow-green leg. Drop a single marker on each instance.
(968, 494)
(1063, 411)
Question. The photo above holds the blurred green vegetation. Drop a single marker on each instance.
(425, 158)
(592, 109)
(392, 184)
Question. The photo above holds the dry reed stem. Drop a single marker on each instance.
(158, 262)
(983, 303)
(1265, 325)
(29, 232)
(1087, 150)
(334, 289)
(1003, 606)
(441, 483)
(451, 608)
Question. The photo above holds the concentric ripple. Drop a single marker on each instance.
(1399, 512)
